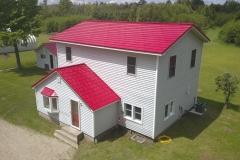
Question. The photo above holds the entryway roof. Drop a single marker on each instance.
(86, 84)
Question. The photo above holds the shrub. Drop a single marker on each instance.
(230, 33)
(59, 24)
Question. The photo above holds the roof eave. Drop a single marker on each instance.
(107, 105)
(108, 48)
(43, 78)
(200, 34)
(194, 29)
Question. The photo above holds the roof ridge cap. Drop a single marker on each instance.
(105, 21)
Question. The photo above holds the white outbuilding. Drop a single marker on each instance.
(46, 55)
(32, 45)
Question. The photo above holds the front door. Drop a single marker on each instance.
(75, 115)
(51, 61)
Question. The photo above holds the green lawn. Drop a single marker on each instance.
(17, 99)
(28, 58)
(215, 135)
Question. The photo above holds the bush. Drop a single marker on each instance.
(230, 33)
(223, 18)
(59, 24)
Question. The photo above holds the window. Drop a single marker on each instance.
(50, 104)
(128, 110)
(166, 110)
(169, 110)
(43, 55)
(68, 54)
(131, 65)
(172, 66)
(193, 58)
(133, 113)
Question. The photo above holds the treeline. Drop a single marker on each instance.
(66, 14)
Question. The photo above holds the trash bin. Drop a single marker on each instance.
(200, 107)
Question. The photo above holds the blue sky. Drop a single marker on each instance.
(129, 1)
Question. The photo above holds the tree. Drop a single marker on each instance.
(142, 2)
(197, 3)
(65, 7)
(168, 2)
(228, 84)
(19, 19)
(45, 2)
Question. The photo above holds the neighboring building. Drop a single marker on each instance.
(153, 67)
(32, 45)
(46, 55)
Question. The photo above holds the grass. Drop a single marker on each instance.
(28, 58)
(215, 135)
(17, 99)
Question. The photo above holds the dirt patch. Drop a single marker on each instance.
(227, 129)
(23, 144)
(206, 157)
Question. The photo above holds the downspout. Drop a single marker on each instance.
(93, 126)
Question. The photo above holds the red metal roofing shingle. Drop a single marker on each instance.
(87, 84)
(48, 92)
(52, 46)
(136, 36)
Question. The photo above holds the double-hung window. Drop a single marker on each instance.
(68, 54)
(131, 65)
(193, 58)
(50, 104)
(133, 113)
(172, 66)
(169, 110)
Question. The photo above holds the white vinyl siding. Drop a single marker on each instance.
(183, 88)
(111, 67)
(41, 61)
(65, 94)
(105, 118)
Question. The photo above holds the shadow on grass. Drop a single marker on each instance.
(236, 108)
(191, 125)
(114, 135)
(29, 71)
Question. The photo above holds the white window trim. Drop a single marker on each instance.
(132, 118)
(135, 66)
(170, 114)
(50, 110)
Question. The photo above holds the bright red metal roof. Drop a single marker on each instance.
(48, 92)
(52, 46)
(135, 36)
(87, 84)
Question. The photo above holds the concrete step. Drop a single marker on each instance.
(73, 132)
(66, 139)
(67, 135)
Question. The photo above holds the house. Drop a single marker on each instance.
(46, 55)
(32, 44)
(140, 75)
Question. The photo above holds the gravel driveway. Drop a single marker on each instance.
(19, 143)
